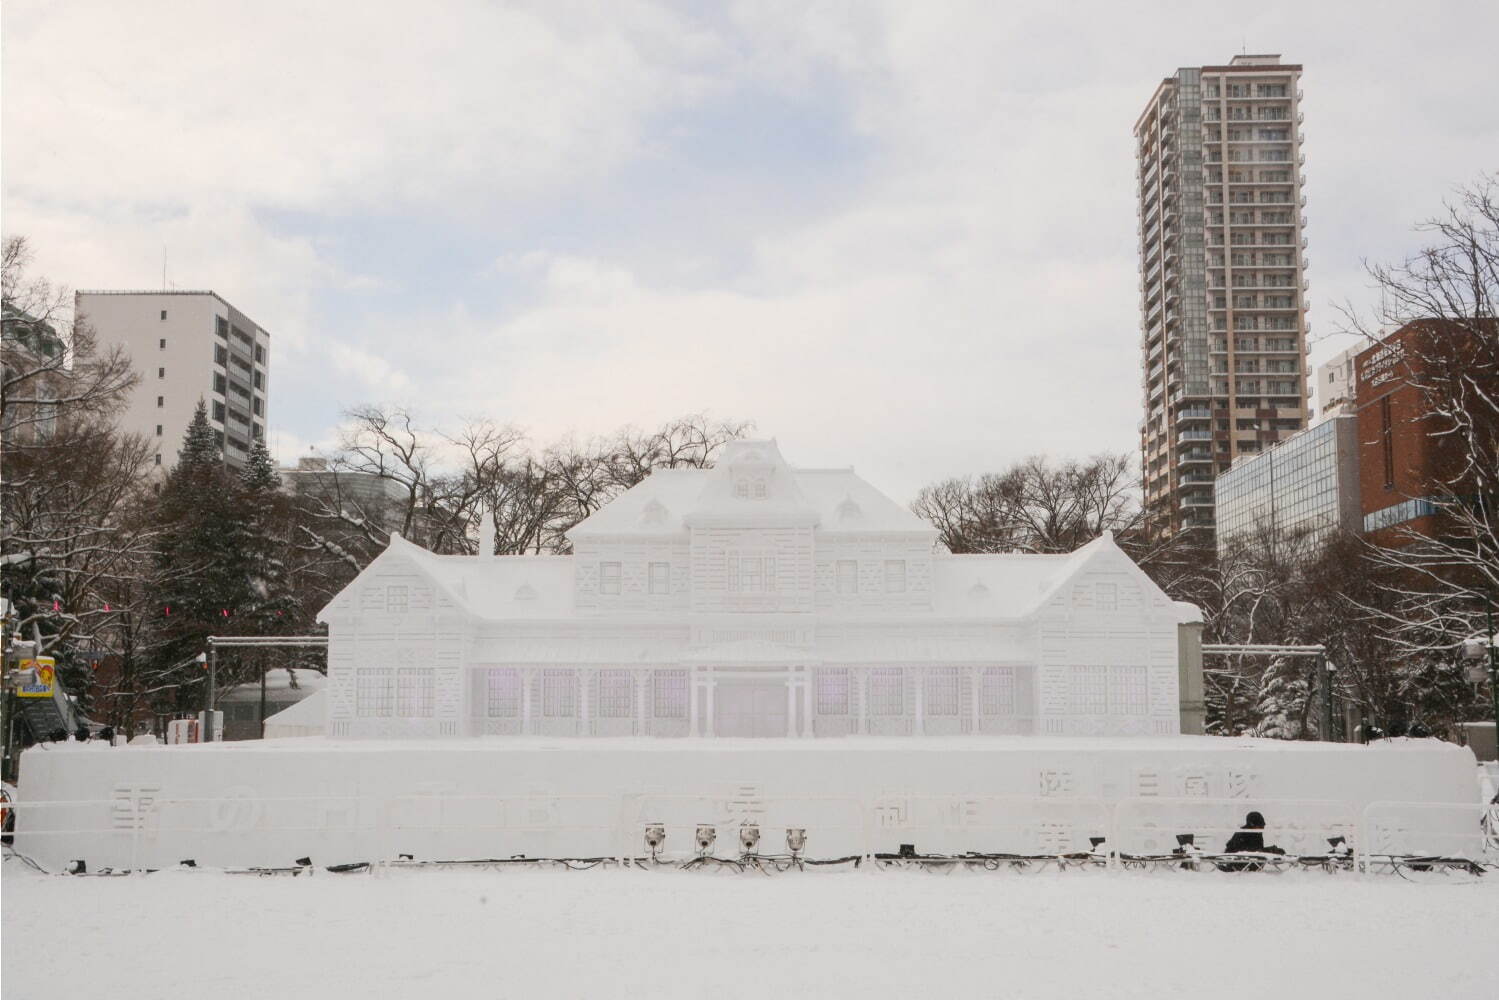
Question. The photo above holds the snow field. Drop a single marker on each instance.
(607, 933)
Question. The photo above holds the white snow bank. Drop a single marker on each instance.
(305, 718)
(270, 802)
(673, 934)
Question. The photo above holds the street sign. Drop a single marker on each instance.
(42, 674)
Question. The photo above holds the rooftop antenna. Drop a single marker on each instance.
(163, 267)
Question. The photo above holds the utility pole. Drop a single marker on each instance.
(1324, 687)
(205, 731)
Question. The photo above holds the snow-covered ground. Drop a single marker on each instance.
(606, 933)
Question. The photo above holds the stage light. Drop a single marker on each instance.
(706, 835)
(77, 867)
(1095, 842)
(796, 839)
(1185, 839)
(907, 850)
(749, 836)
(188, 863)
(655, 836)
(304, 862)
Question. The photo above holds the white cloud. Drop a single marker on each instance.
(964, 296)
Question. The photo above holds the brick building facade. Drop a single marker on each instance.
(1406, 461)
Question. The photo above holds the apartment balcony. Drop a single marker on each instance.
(1189, 436)
(1194, 458)
(1197, 501)
(1193, 413)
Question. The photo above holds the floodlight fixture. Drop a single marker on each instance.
(796, 840)
(655, 836)
(77, 867)
(749, 836)
(1186, 839)
(706, 835)
(1095, 842)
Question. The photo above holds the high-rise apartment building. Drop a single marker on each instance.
(186, 346)
(1222, 288)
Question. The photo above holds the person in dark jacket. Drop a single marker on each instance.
(1249, 840)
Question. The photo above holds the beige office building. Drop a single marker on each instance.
(1223, 285)
(187, 346)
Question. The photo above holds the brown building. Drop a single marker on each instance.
(1222, 278)
(1406, 461)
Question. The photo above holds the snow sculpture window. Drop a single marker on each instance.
(1106, 597)
(887, 691)
(749, 488)
(502, 693)
(832, 691)
(659, 577)
(848, 576)
(1129, 691)
(751, 574)
(941, 694)
(609, 578)
(373, 695)
(1088, 692)
(653, 513)
(997, 691)
(895, 576)
(414, 692)
(616, 694)
(397, 600)
(559, 693)
(669, 694)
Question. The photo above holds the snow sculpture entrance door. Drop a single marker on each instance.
(749, 708)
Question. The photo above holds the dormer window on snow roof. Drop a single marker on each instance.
(750, 487)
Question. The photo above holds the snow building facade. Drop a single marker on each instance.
(752, 599)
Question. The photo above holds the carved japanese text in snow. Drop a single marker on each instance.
(752, 599)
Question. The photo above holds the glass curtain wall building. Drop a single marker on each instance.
(1307, 484)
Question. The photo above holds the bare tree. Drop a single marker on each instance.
(52, 361)
(1035, 506)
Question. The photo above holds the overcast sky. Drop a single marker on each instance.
(895, 235)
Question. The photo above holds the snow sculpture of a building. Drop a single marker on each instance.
(752, 599)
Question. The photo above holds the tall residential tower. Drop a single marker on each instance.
(187, 346)
(1222, 265)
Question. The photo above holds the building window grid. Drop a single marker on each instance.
(658, 575)
(832, 691)
(1088, 691)
(1129, 690)
(502, 693)
(414, 692)
(374, 694)
(616, 694)
(669, 694)
(997, 691)
(559, 693)
(940, 697)
(887, 691)
(397, 600)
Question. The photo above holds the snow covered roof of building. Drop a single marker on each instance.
(751, 483)
(278, 685)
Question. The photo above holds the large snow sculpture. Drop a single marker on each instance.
(753, 599)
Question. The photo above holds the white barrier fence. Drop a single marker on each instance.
(147, 831)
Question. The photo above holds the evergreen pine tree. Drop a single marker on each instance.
(200, 582)
(271, 606)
